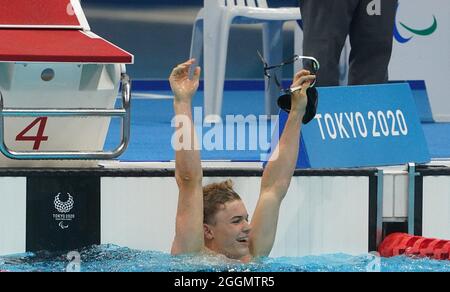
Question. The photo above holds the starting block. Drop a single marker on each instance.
(58, 86)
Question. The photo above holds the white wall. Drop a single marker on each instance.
(12, 215)
(138, 212)
(324, 215)
(395, 196)
(436, 207)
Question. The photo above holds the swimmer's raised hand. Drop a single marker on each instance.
(182, 87)
(302, 81)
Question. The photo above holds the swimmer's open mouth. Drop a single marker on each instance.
(244, 239)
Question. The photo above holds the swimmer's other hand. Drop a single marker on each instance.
(302, 81)
(184, 88)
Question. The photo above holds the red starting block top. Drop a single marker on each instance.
(42, 13)
(52, 31)
(56, 45)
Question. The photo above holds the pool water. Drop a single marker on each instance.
(111, 258)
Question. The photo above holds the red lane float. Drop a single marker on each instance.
(404, 244)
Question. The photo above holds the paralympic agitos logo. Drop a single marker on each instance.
(420, 32)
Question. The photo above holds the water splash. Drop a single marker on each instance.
(112, 258)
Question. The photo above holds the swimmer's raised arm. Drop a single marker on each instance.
(188, 169)
(279, 171)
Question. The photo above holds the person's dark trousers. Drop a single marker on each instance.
(326, 24)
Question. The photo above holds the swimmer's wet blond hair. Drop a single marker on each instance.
(214, 198)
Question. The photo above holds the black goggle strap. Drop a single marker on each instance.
(266, 66)
(315, 67)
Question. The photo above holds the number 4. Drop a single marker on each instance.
(40, 133)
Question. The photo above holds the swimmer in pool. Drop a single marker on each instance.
(213, 219)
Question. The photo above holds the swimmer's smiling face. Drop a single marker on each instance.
(229, 233)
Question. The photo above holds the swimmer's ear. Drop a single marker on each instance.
(209, 234)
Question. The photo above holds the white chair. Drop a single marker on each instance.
(211, 33)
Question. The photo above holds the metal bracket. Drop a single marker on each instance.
(411, 197)
(380, 199)
(124, 113)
